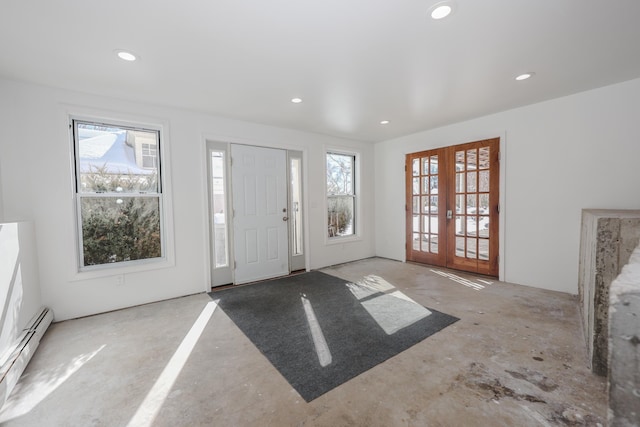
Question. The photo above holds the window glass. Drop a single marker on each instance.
(118, 193)
(219, 200)
(296, 202)
(341, 197)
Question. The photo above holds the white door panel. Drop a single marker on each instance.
(259, 191)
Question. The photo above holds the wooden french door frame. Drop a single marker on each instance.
(452, 210)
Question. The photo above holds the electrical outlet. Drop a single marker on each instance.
(120, 280)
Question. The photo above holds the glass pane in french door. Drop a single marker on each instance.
(467, 209)
(423, 213)
(474, 177)
(428, 224)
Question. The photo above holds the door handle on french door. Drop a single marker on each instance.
(449, 214)
(285, 218)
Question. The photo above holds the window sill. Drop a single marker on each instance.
(116, 269)
(345, 239)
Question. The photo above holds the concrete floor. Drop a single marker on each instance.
(516, 358)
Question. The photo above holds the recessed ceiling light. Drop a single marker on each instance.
(384, 122)
(125, 55)
(296, 100)
(441, 10)
(524, 76)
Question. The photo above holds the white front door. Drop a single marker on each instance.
(259, 189)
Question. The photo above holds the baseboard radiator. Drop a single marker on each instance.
(16, 358)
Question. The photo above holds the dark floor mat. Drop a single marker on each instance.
(320, 331)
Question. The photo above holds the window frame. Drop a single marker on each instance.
(355, 196)
(166, 258)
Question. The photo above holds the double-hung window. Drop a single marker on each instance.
(341, 194)
(118, 196)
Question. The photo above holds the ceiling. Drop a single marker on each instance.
(354, 63)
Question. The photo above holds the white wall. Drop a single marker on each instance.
(580, 151)
(36, 173)
(20, 296)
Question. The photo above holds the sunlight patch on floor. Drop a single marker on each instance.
(319, 341)
(390, 308)
(466, 282)
(26, 396)
(148, 410)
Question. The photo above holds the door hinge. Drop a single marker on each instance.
(499, 155)
(498, 207)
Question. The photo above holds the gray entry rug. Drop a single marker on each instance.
(320, 331)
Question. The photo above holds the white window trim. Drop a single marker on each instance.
(357, 235)
(79, 273)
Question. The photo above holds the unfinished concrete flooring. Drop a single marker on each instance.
(516, 358)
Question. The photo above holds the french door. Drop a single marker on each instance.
(452, 206)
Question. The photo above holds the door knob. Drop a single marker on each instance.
(449, 214)
(285, 218)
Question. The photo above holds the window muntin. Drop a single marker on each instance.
(341, 195)
(118, 195)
